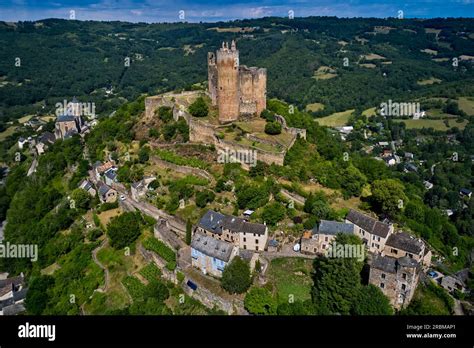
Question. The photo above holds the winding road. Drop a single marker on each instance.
(104, 243)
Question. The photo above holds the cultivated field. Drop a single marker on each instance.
(435, 124)
(429, 81)
(324, 73)
(314, 107)
(337, 119)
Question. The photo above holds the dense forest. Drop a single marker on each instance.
(44, 62)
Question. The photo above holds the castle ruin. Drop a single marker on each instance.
(235, 89)
(238, 93)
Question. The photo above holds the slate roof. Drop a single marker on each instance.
(103, 189)
(405, 242)
(86, 185)
(111, 174)
(13, 280)
(212, 247)
(333, 228)
(246, 254)
(6, 289)
(65, 118)
(47, 137)
(14, 309)
(8, 302)
(369, 224)
(411, 167)
(10, 284)
(391, 264)
(20, 295)
(214, 222)
(237, 224)
(463, 275)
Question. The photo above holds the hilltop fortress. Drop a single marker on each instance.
(236, 90)
(237, 97)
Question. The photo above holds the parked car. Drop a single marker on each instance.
(122, 197)
(432, 274)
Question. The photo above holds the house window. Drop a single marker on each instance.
(373, 244)
(245, 239)
(245, 247)
(256, 241)
(410, 255)
(373, 237)
(404, 286)
(256, 248)
(394, 251)
(404, 275)
(383, 275)
(378, 239)
(382, 285)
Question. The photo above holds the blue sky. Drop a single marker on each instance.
(216, 10)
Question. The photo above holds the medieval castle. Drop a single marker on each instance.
(238, 93)
(236, 90)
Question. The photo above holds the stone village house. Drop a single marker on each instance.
(319, 239)
(402, 244)
(12, 295)
(211, 255)
(396, 278)
(241, 233)
(397, 258)
(373, 233)
(106, 193)
(88, 186)
(218, 238)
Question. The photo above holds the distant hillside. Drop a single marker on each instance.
(385, 58)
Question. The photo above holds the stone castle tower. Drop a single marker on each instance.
(236, 90)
